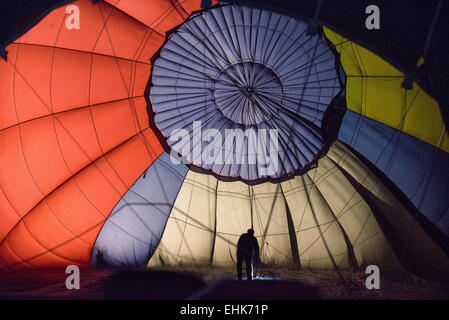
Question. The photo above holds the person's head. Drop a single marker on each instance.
(251, 231)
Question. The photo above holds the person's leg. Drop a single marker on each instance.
(239, 266)
(249, 267)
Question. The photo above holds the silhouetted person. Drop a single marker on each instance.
(245, 246)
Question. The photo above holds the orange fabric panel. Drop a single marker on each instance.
(90, 235)
(82, 210)
(140, 108)
(115, 39)
(45, 152)
(113, 124)
(31, 68)
(103, 30)
(74, 127)
(9, 257)
(44, 212)
(77, 138)
(152, 42)
(41, 152)
(46, 31)
(139, 79)
(75, 250)
(149, 139)
(93, 18)
(8, 116)
(75, 211)
(31, 91)
(160, 15)
(193, 5)
(40, 81)
(111, 79)
(70, 76)
(16, 181)
(126, 165)
(25, 242)
(8, 214)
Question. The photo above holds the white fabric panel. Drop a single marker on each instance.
(133, 229)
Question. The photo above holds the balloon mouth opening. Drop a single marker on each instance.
(303, 99)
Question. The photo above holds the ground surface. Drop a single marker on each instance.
(210, 283)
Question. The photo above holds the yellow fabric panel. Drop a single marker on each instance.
(374, 90)
(384, 101)
(422, 121)
(334, 37)
(371, 64)
(354, 101)
(349, 60)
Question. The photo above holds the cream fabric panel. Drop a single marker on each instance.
(320, 239)
(421, 252)
(188, 236)
(335, 221)
(270, 217)
(233, 219)
(209, 216)
(355, 217)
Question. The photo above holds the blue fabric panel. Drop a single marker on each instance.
(420, 170)
(134, 228)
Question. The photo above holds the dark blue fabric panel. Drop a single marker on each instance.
(134, 228)
(420, 170)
